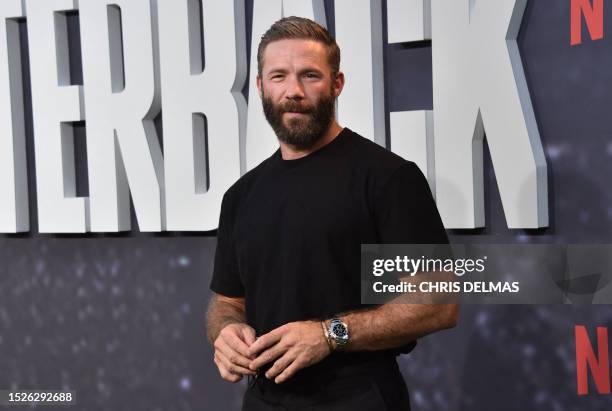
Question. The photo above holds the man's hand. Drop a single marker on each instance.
(294, 346)
(231, 351)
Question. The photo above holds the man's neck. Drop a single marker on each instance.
(289, 152)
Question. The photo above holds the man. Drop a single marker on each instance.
(287, 311)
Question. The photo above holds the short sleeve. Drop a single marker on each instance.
(226, 275)
(405, 211)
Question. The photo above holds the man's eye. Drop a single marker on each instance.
(311, 75)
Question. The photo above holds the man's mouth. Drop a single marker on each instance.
(296, 112)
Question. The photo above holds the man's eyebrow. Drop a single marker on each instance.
(278, 71)
(310, 70)
(302, 71)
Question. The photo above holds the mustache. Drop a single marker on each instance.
(295, 107)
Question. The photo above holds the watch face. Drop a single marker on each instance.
(339, 330)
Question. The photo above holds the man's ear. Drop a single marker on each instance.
(339, 83)
(258, 82)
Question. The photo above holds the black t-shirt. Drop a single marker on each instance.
(290, 230)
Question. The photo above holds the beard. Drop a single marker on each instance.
(304, 131)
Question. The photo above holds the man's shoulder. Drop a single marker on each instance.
(376, 158)
(240, 186)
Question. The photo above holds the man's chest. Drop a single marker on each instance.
(303, 213)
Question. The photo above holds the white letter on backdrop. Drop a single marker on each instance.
(121, 101)
(408, 20)
(55, 105)
(203, 109)
(412, 138)
(479, 85)
(361, 105)
(13, 174)
(411, 132)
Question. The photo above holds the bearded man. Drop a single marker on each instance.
(287, 308)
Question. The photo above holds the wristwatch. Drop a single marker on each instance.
(338, 331)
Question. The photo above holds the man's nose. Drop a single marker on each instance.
(295, 88)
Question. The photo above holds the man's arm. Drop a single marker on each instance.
(230, 336)
(403, 319)
(223, 311)
(393, 325)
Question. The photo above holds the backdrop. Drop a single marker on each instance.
(120, 318)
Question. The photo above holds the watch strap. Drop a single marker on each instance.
(327, 336)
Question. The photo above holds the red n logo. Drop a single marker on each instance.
(593, 16)
(600, 368)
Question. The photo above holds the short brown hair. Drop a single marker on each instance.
(300, 28)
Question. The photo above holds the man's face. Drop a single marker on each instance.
(298, 91)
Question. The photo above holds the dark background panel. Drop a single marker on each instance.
(121, 322)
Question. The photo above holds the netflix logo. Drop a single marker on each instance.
(591, 12)
(586, 359)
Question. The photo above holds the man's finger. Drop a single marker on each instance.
(233, 367)
(248, 334)
(265, 341)
(225, 374)
(268, 355)
(288, 372)
(236, 343)
(232, 355)
(281, 363)
(233, 336)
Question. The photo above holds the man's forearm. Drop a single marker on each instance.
(393, 325)
(220, 314)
